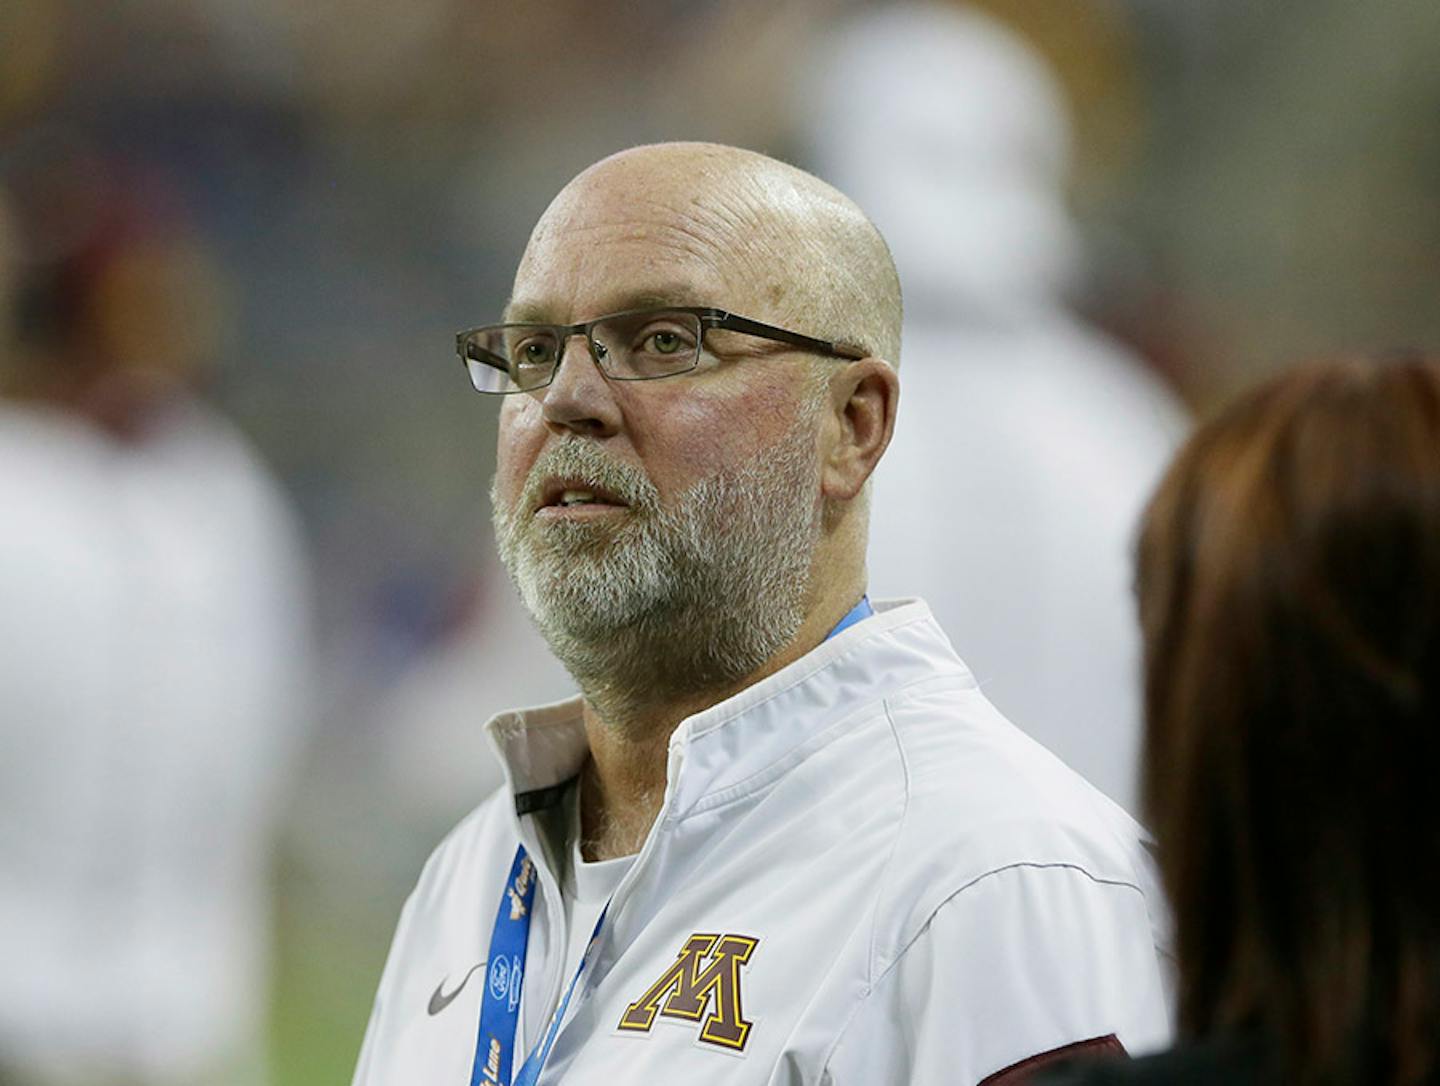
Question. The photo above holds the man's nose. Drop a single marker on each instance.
(579, 398)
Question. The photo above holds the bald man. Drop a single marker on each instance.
(780, 836)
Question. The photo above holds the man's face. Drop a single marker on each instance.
(677, 516)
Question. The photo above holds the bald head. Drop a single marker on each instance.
(784, 246)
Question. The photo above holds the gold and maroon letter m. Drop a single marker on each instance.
(691, 986)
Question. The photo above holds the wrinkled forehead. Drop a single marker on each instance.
(625, 239)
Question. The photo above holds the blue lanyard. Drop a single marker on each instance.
(505, 975)
(505, 980)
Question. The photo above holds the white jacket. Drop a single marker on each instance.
(861, 873)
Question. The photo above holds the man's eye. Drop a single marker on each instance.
(666, 342)
(533, 353)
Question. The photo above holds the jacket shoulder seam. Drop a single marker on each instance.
(1030, 865)
(876, 981)
(870, 979)
(890, 860)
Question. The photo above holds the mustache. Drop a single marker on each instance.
(579, 459)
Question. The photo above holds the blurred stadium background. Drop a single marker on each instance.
(339, 185)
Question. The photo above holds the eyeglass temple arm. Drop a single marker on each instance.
(469, 352)
(731, 322)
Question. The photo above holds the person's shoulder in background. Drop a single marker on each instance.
(1228, 1061)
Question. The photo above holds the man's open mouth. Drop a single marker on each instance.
(574, 493)
(577, 497)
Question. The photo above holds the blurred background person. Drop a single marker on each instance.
(1289, 584)
(1028, 440)
(153, 652)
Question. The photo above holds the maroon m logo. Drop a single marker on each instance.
(694, 988)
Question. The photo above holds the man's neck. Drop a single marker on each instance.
(621, 790)
(623, 784)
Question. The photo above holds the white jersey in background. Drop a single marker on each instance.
(861, 873)
(153, 646)
(1026, 443)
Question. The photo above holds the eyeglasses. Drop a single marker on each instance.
(637, 345)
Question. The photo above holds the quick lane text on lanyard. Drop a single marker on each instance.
(504, 976)
(505, 981)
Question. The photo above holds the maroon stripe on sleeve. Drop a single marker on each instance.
(1017, 1074)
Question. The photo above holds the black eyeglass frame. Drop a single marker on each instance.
(708, 316)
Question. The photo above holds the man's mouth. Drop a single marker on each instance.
(560, 496)
(577, 497)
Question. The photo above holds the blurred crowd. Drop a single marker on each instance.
(245, 555)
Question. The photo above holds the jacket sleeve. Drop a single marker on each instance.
(1024, 962)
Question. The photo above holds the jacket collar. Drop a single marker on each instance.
(747, 741)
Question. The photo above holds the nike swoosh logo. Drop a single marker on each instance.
(440, 999)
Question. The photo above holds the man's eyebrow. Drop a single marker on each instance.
(542, 312)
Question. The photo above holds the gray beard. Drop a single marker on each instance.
(671, 602)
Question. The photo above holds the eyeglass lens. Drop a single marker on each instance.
(628, 347)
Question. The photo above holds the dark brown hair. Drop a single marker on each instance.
(1289, 585)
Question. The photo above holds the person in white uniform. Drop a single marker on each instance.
(153, 690)
(1030, 442)
(780, 836)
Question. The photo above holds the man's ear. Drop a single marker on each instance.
(863, 399)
